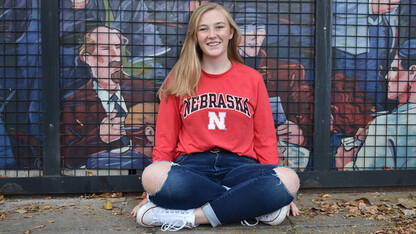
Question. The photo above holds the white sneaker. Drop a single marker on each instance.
(274, 218)
(151, 215)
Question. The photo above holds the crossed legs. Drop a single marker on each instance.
(156, 176)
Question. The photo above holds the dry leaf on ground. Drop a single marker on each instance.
(108, 205)
(325, 195)
(21, 211)
(407, 203)
(46, 207)
(112, 195)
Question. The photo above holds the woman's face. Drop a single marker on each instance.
(213, 34)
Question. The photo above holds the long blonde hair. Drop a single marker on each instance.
(184, 77)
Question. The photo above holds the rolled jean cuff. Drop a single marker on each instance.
(209, 212)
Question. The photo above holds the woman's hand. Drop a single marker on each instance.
(136, 209)
(294, 209)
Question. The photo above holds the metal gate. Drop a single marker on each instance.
(340, 77)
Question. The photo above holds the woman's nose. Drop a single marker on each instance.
(211, 33)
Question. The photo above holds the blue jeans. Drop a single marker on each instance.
(229, 188)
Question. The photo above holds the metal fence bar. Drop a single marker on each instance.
(322, 112)
(70, 184)
(50, 84)
(131, 183)
(350, 179)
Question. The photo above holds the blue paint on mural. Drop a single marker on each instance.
(131, 45)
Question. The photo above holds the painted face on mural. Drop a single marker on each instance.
(105, 60)
(214, 33)
(252, 39)
(399, 79)
(79, 4)
(195, 4)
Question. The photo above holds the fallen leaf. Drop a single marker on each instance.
(381, 217)
(1, 196)
(40, 226)
(326, 195)
(357, 202)
(47, 198)
(407, 203)
(108, 205)
(46, 207)
(408, 212)
(89, 196)
(116, 195)
(51, 221)
(384, 199)
(112, 195)
(26, 232)
(335, 206)
(21, 211)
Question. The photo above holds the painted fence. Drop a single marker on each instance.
(341, 78)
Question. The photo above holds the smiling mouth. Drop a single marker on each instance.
(214, 43)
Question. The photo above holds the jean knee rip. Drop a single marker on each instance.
(165, 172)
(279, 175)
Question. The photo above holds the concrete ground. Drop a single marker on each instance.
(363, 212)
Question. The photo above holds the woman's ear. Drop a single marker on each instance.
(231, 33)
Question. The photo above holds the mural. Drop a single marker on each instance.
(268, 45)
(93, 123)
(373, 48)
(20, 95)
(114, 54)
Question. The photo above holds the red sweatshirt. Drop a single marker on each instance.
(231, 111)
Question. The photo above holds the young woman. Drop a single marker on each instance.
(215, 159)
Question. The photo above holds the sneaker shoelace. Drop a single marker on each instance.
(171, 220)
(173, 225)
(246, 223)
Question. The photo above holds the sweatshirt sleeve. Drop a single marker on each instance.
(167, 129)
(265, 140)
